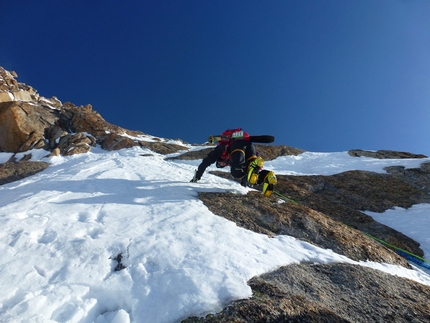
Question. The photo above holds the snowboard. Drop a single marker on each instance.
(260, 139)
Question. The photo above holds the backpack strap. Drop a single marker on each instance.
(252, 157)
(238, 150)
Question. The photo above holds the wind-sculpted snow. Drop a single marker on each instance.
(312, 163)
(63, 228)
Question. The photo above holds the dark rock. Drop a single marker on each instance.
(267, 216)
(314, 293)
(383, 154)
(342, 197)
(162, 148)
(13, 171)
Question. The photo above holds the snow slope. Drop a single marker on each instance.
(63, 228)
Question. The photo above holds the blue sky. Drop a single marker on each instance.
(318, 75)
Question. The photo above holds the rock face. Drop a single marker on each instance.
(30, 121)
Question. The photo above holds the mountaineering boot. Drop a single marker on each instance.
(253, 169)
(268, 184)
(268, 180)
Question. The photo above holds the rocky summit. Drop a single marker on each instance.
(30, 121)
(328, 211)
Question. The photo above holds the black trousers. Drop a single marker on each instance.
(242, 152)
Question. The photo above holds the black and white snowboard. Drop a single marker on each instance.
(260, 139)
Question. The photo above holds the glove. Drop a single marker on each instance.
(244, 181)
(194, 179)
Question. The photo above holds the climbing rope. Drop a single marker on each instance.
(285, 198)
(406, 254)
(425, 263)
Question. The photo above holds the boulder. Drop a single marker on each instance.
(79, 143)
(22, 126)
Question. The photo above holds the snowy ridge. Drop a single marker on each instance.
(63, 228)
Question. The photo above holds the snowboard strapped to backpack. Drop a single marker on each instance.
(239, 134)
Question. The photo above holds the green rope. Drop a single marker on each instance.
(370, 236)
(397, 248)
(285, 198)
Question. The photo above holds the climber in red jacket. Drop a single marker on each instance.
(234, 149)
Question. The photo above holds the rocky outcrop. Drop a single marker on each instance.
(342, 198)
(315, 293)
(383, 154)
(263, 215)
(13, 170)
(22, 125)
(329, 215)
(30, 121)
(11, 90)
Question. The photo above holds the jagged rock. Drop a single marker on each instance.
(116, 142)
(383, 154)
(53, 135)
(79, 143)
(7, 80)
(33, 141)
(22, 125)
(47, 123)
(52, 102)
(11, 90)
(25, 126)
(85, 119)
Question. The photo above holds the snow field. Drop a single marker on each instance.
(63, 228)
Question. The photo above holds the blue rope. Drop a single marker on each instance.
(413, 259)
(409, 256)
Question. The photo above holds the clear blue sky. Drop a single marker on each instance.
(319, 75)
